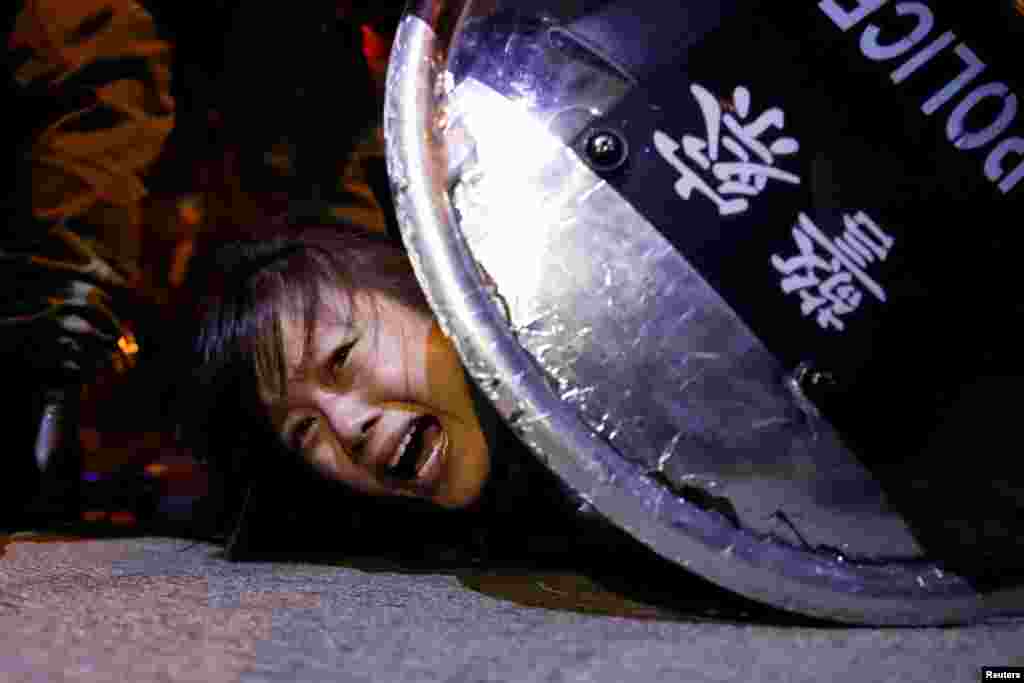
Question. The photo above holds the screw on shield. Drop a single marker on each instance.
(605, 149)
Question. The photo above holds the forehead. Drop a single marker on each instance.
(304, 329)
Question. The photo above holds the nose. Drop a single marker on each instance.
(351, 420)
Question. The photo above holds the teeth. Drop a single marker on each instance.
(438, 448)
(436, 452)
(411, 454)
(400, 451)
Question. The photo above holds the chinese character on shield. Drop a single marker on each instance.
(732, 162)
(829, 274)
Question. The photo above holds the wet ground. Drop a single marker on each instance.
(162, 609)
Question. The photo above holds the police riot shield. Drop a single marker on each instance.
(742, 274)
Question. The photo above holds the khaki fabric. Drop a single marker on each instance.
(100, 74)
(76, 263)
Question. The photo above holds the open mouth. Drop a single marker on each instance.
(422, 443)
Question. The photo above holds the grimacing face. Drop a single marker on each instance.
(381, 403)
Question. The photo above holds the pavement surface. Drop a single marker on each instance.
(146, 609)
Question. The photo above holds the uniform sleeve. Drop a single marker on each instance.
(92, 86)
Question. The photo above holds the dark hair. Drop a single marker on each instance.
(242, 287)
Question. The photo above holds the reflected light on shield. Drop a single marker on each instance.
(510, 146)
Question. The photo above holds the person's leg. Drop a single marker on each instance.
(88, 112)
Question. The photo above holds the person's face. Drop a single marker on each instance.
(381, 404)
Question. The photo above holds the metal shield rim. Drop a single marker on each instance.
(789, 578)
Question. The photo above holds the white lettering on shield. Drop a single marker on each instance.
(732, 162)
(917, 55)
(830, 275)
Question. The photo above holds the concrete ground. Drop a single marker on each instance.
(162, 609)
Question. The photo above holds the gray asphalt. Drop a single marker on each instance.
(357, 621)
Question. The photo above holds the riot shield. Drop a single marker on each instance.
(741, 274)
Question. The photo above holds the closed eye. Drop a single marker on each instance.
(338, 358)
(300, 433)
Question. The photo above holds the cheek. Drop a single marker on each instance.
(444, 379)
(334, 466)
(390, 373)
(400, 362)
(470, 464)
